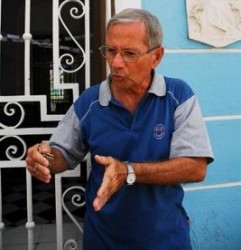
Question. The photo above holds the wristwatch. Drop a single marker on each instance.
(131, 176)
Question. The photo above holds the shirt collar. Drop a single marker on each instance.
(158, 88)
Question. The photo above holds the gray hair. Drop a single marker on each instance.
(153, 27)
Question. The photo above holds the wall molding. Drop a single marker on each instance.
(202, 51)
(213, 186)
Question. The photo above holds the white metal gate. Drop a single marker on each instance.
(12, 106)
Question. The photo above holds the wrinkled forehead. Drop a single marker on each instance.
(136, 27)
(135, 30)
(126, 23)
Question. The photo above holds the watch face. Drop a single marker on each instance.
(131, 178)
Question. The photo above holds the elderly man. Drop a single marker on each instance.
(146, 136)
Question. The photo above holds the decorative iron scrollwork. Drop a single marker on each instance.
(10, 109)
(70, 244)
(67, 58)
(13, 152)
(77, 200)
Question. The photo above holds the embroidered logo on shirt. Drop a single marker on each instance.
(159, 131)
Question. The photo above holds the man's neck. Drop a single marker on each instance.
(129, 97)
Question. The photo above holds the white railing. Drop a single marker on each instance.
(12, 107)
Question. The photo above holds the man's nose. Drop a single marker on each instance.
(117, 60)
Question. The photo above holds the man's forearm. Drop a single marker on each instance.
(171, 172)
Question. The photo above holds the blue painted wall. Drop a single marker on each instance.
(215, 209)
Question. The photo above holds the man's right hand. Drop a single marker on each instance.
(37, 164)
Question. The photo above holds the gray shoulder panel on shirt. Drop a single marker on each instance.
(67, 139)
(190, 138)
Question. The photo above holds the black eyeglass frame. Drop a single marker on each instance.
(137, 54)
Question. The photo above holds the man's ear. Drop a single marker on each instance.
(159, 52)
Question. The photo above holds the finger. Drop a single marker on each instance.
(103, 194)
(30, 165)
(44, 148)
(34, 156)
(100, 201)
(37, 165)
(40, 172)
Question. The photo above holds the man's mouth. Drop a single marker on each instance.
(117, 75)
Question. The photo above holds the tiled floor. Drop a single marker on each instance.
(14, 199)
(16, 238)
(15, 235)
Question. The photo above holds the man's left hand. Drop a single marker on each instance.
(114, 178)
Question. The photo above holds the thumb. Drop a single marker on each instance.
(103, 160)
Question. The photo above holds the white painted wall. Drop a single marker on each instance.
(120, 4)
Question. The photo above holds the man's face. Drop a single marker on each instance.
(130, 36)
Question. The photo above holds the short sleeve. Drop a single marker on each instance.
(190, 138)
(67, 138)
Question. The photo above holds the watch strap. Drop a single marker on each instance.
(130, 169)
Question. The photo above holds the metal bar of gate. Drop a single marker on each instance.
(56, 66)
(27, 40)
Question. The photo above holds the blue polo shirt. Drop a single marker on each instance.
(167, 124)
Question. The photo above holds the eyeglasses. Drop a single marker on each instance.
(129, 56)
